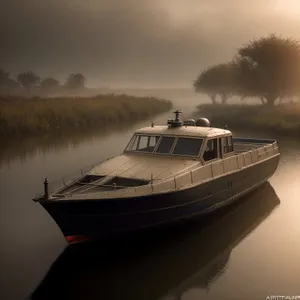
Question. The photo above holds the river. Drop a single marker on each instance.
(250, 251)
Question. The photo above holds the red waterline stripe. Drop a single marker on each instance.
(73, 239)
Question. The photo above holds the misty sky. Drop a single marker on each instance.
(134, 42)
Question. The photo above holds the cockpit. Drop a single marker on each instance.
(190, 139)
(167, 145)
(204, 148)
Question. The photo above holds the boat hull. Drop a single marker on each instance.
(104, 218)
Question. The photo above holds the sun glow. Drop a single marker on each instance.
(289, 6)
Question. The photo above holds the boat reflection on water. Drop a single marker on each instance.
(151, 265)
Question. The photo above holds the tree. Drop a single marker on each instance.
(4, 77)
(269, 68)
(75, 81)
(49, 83)
(247, 83)
(225, 80)
(218, 80)
(28, 79)
(7, 84)
(204, 84)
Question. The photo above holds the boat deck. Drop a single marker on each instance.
(94, 184)
(90, 184)
(247, 144)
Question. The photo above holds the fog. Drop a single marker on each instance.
(142, 43)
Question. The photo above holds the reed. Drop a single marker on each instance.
(36, 116)
(284, 118)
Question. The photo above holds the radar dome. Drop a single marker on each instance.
(203, 122)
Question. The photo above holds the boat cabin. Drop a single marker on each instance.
(189, 139)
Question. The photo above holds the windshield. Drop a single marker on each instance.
(142, 143)
(188, 146)
(171, 145)
(165, 145)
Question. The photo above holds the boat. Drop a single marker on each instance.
(166, 173)
(191, 257)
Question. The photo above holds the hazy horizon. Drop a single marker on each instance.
(135, 43)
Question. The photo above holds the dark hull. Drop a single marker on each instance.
(102, 218)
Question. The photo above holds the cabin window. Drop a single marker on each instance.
(131, 143)
(143, 143)
(165, 145)
(227, 144)
(221, 148)
(211, 151)
(230, 143)
(188, 146)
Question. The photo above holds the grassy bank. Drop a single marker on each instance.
(280, 119)
(35, 116)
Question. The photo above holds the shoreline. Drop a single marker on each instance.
(283, 120)
(21, 117)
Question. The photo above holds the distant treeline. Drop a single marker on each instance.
(36, 116)
(267, 68)
(29, 84)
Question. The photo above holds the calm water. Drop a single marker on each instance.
(248, 251)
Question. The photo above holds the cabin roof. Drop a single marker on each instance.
(184, 131)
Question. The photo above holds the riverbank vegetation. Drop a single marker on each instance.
(36, 116)
(267, 68)
(280, 119)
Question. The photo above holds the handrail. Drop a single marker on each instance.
(210, 171)
(69, 179)
(176, 179)
(254, 141)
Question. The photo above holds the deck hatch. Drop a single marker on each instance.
(90, 178)
(126, 182)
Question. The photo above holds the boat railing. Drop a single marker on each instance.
(207, 172)
(202, 174)
(219, 168)
(68, 179)
(253, 140)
